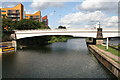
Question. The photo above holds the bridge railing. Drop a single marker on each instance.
(46, 30)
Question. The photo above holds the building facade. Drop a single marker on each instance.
(45, 20)
(15, 13)
(36, 16)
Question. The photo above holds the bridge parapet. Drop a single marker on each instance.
(74, 32)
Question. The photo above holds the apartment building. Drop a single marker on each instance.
(45, 20)
(36, 16)
(15, 13)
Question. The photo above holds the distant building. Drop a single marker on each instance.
(36, 16)
(15, 13)
(45, 20)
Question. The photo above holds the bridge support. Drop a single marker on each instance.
(99, 37)
(14, 44)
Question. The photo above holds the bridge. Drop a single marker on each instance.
(72, 32)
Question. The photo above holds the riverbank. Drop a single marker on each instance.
(110, 49)
(109, 60)
(117, 47)
(55, 39)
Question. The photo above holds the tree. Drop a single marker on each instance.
(27, 24)
(24, 24)
(7, 23)
(61, 27)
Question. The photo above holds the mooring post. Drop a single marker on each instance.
(107, 43)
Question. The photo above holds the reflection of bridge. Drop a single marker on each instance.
(76, 33)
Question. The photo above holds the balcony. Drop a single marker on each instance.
(13, 13)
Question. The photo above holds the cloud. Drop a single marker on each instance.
(28, 11)
(43, 5)
(111, 21)
(89, 20)
(90, 5)
(9, 4)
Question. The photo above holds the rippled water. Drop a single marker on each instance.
(69, 59)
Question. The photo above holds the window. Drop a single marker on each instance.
(31, 17)
(17, 15)
(44, 20)
(17, 10)
(37, 16)
(3, 11)
(3, 14)
(18, 19)
(9, 10)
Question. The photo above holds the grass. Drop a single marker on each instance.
(114, 46)
(111, 58)
(113, 51)
(58, 39)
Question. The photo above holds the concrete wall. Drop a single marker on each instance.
(111, 65)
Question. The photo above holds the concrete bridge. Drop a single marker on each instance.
(73, 32)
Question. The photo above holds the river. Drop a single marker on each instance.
(114, 41)
(69, 59)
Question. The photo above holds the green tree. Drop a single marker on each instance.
(7, 22)
(26, 24)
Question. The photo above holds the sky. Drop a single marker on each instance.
(74, 14)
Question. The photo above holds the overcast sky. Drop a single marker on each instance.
(82, 14)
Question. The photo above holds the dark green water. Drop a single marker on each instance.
(69, 59)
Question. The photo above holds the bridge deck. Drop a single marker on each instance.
(72, 32)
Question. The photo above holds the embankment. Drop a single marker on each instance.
(109, 63)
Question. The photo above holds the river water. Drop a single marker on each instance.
(113, 41)
(69, 59)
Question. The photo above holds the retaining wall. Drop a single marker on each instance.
(110, 64)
